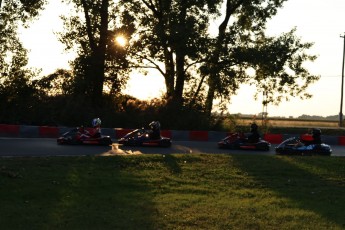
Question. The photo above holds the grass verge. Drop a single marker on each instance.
(173, 192)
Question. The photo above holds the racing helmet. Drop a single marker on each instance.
(316, 132)
(96, 122)
(253, 127)
(155, 125)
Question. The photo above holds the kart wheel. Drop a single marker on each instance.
(59, 142)
(131, 142)
(167, 144)
(106, 142)
(74, 141)
(306, 154)
(263, 147)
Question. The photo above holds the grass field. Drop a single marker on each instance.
(173, 192)
(290, 122)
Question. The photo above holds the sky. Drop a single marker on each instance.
(317, 21)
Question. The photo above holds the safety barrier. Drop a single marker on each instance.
(341, 140)
(273, 138)
(116, 133)
(9, 130)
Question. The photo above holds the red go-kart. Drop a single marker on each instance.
(141, 137)
(240, 141)
(74, 137)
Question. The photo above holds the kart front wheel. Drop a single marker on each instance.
(166, 143)
(106, 141)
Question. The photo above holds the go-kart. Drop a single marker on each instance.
(240, 141)
(73, 137)
(296, 146)
(141, 137)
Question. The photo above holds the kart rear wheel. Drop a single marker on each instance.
(59, 142)
(266, 148)
(106, 141)
(166, 143)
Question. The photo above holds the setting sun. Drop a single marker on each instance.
(121, 40)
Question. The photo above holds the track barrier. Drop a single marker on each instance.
(25, 131)
(198, 135)
(48, 132)
(9, 130)
(273, 138)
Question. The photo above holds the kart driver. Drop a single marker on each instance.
(312, 137)
(316, 133)
(155, 127)
(83, 133)
(96, 128)
(254, 133)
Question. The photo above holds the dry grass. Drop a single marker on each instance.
(275, 122)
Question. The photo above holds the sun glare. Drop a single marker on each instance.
(121, 40)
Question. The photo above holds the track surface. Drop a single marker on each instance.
(48, 147)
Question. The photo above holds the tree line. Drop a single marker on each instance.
(171, 37)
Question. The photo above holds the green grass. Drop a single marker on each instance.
(173, 192)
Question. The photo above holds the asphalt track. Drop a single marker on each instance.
(10, 147)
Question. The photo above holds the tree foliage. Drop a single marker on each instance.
(241, 45)
(279, 69)
(12, 14)
(170, 36)
(91, 30)
(198, 67)
(17, 93)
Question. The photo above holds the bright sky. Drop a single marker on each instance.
(321, 22)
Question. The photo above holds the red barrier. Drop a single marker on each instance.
(341, 140)
(198, 135)
(166, 133)
(50, 132)
(121, 132)
(273, 138)
(9, 130)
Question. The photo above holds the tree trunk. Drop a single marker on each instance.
(197, 91)
(180, 78)
(101, 51)
(210, 95)
(180, 57)
(213, 78)
(98, 51)
(169, 75)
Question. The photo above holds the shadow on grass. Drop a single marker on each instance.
(91, 193)
(306, 181)
(172, 164)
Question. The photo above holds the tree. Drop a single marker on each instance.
(199, 68)
(17, 91)
(58, 83)
(172, 39)
(91, 31)
(241, 44)
(279, 70)
(12, 13)
(21, 10)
